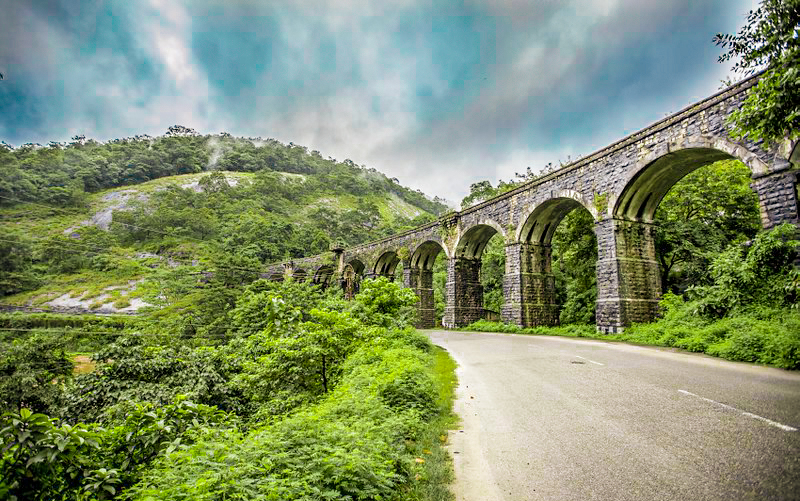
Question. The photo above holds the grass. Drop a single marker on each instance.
(769, 337)
(163, 182)
(390, 207)
(435, 470)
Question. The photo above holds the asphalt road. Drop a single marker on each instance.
(571, 419)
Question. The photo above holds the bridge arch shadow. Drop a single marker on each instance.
(473, 241)
(532, 294)
(323, 275)
(425, 254)
(542, 220)
(386, 265)
(655, 175)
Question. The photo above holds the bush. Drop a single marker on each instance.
(384, 303)
(351, 445)
(42, 461)
(32, 372)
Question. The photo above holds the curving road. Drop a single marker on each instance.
(570, 419)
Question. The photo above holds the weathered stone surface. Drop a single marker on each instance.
(464, 292)
(620, 185)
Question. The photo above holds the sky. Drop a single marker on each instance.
(439, 94)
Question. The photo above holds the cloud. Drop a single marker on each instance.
(437, 94)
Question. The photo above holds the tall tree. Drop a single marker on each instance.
(770, 41)
(701, 215)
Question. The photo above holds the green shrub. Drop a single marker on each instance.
(384, 303)
(32, 373)
(352, 445)
(40, 460)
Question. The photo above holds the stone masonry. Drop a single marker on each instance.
(620, 185)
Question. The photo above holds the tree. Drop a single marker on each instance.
(574, 259)
(769, 41)
(16, 274)
(478, 192)
(32, 371)
(701, 215)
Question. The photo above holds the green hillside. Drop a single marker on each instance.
(89, 224)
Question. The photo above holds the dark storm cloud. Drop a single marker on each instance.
(439, 94)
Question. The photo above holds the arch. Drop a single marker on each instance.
(357, 265)
(472, 242)
(794, 154)
(386, 264)
(655, 175)
(425, 254)
(541, 220)
(299, 275)
(323, 275)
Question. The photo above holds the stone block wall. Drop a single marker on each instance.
(529, 286)
(628, 278)
(421, 282)
(464, 292)
(777, 195)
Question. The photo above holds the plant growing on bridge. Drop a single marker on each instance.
(769, 41)
(601, 204)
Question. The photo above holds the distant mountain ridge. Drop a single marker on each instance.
(59, 172)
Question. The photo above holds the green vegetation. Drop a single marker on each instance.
(292, 394)
(62, 174)
(203, 202)
(768, 42)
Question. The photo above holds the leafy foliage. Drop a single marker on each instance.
(703, 214)
(43, 461)
(16, 263)
(761, 275)
(574, 260)
(352, 445)
(768, 41)
(384, 303)
(294, 403)
(32, 371)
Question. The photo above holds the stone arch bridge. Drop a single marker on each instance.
(620, 185)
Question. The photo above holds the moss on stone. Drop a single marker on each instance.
(601, 204)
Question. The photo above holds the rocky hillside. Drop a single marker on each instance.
(91, 226)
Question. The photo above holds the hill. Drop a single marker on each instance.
(90, 224)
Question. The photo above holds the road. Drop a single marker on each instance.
(547, 418)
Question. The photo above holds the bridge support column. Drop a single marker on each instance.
(628, 279)
(777, 197)
(529, 286)
(464, 302)
(421, 282)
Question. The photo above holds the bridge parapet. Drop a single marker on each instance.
(620, 185)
